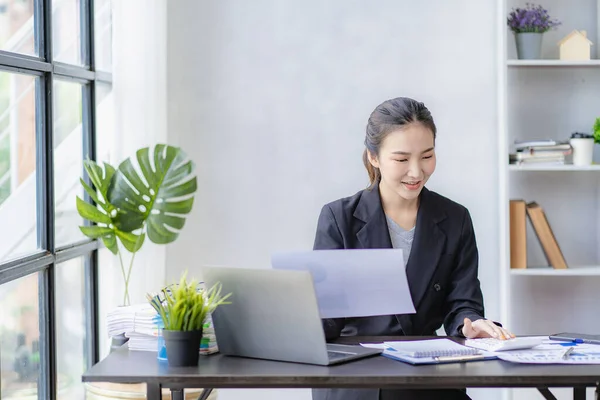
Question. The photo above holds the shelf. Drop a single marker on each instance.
(549, 271)
(553, 63)
(558, 167)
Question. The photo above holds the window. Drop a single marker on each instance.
(55, 95)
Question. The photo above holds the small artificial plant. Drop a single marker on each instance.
(531, 19)
(184, 306)
(146, 196)
(596, 130)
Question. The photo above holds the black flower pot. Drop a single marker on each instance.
(183, 347)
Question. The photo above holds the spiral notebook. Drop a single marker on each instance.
(433, 351)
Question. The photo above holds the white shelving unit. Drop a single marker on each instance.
(550, 98)
(592, 270)
(569, 168)
(552, 63)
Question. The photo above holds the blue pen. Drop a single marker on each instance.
(567, 344)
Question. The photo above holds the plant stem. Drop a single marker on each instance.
(129, 275)
(126, 295)
(130, 267)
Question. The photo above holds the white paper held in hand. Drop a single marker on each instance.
(354, 282)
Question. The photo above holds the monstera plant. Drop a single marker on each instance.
(149, 196)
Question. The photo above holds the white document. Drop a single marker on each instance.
(354, 283)
(546, 357)
(551, 352)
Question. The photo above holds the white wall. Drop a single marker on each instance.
(271, 100)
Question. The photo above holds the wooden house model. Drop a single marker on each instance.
(575, 46)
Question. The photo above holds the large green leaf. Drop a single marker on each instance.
(106, 234)
(104, 215)
(101, 178)
(91, 213)
(131, 241)
(157, 192)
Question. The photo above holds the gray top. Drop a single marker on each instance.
(401, 238)
(383, 324)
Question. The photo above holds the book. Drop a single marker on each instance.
(518, 234)
(546, 236)
(433, 351)
(430, 348)
(520, 144)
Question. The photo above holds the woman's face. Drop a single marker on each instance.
(406, 160)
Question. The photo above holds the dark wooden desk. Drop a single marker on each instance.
(218, 371)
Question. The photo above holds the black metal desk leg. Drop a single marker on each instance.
(546, 393)
(176, 394)
(205, 393)
(153, 391)
(579, 393)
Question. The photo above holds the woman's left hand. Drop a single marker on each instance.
(483, 328)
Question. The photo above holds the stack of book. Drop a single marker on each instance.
(208, 345)
(540, 151)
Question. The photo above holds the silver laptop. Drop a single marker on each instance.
(274, 315)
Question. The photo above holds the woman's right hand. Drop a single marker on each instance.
(484, 328)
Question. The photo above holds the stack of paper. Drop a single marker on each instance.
(555, 352)
(138, 323)
(141, 342)
(435, 351)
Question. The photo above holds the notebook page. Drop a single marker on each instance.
(430, 348)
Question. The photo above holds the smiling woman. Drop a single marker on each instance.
(435, 233)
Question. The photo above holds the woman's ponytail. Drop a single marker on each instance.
(373, 172)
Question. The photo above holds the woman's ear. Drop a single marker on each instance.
(373, 159)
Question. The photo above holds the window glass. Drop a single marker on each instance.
(71, 335)
(19, 338)
(17, 26)
(66, 31)
(68, 161)
(18, 191)
(103, 34)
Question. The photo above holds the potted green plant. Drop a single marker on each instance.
(528, 25)
(183, 309)
(596, 130)
(146, 196)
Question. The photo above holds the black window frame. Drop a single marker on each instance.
(45, 260)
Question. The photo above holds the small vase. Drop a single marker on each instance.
(529, 45)
(183, 347)
(583, 149)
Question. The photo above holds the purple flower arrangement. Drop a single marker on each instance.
(531, 19)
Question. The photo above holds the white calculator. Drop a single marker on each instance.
(518, 343)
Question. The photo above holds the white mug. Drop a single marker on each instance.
(583, 150)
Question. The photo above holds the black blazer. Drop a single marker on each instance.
(441, 270)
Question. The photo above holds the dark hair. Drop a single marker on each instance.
(390, 116)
